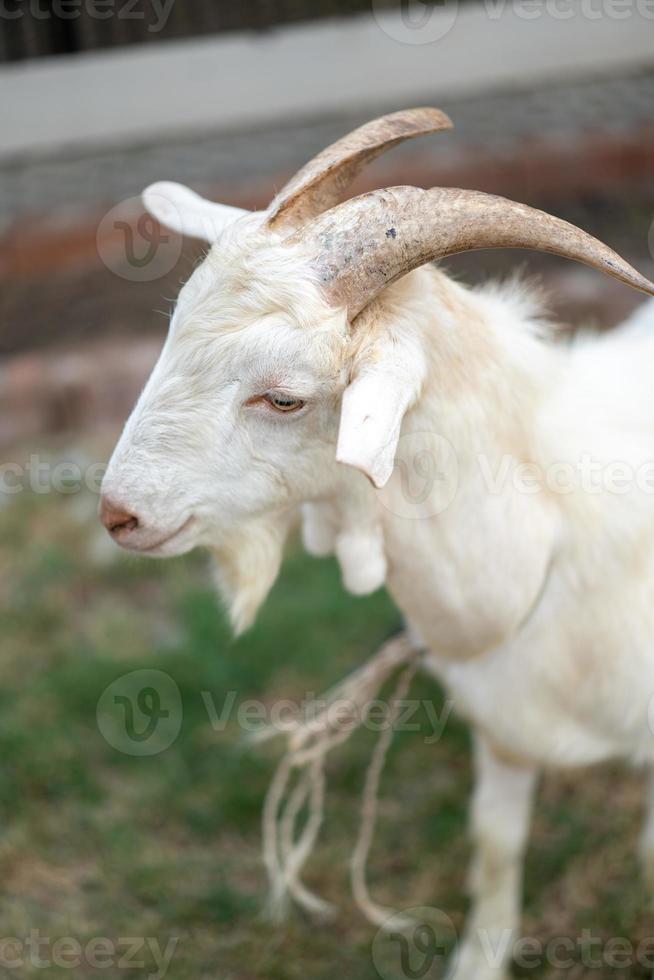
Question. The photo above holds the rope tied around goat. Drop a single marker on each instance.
(332, 721)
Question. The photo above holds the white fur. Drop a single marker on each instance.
(537, 606)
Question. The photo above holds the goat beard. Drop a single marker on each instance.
(247, 562)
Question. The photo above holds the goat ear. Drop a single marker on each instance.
(182, 210)
(372, 411)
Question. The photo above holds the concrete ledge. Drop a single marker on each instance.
(138, 94)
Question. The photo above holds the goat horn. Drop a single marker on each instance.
(366, 243)
(321, 183)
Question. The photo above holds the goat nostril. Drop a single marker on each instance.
(115, 519)
(129, 525)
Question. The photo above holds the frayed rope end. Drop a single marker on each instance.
(308, 743)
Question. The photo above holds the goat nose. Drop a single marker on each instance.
(116, 519)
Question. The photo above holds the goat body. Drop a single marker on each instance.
(533, 590)
(534, 587)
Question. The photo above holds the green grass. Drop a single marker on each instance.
(98, 843)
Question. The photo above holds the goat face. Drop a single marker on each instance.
(239, 421)
(239, 417)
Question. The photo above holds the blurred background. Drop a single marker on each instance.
(553, 105)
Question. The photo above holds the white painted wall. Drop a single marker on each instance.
(141, 93)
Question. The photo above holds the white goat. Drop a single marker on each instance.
(315, 334)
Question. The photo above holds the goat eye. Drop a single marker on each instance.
(284, 403)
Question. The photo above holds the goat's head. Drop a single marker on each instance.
(264, 381)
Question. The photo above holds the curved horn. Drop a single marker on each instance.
(367, 243)
(321, 183)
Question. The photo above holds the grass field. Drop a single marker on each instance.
(99, 843)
